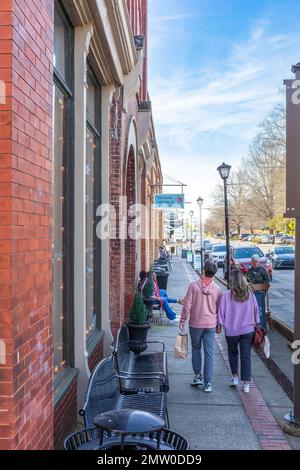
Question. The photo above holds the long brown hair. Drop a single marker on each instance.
(240, 289)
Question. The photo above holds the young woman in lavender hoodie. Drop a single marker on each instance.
(200, 306)
(238, 314)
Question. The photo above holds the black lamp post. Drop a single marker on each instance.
(200, 203)
(191, 216)
(224, 171)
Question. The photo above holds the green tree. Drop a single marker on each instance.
(138, 312)
(148, 290)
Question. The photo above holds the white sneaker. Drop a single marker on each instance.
(234, 381)
(207, 388)
(197, 380)
(246, 388)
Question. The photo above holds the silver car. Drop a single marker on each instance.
(282, 257)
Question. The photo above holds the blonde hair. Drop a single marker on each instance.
(240, 289)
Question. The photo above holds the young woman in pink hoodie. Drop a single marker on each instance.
(200, 307)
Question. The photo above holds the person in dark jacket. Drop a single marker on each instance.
(257, 274)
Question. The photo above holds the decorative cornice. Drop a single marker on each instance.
(120, 23)
(112, 45)
(132, 81)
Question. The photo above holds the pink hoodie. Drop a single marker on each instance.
(200, 304)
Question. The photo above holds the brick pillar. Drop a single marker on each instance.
(130, 244)
(26, 54)
(116, 275)
(144, 219)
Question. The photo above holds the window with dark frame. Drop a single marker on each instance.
(93, 199)
(63, 183)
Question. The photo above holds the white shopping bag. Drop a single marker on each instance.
(266, 346)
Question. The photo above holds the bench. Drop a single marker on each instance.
(103, 395)
(152, 365)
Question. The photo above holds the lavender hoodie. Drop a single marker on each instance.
(200, 304)
(237, 318)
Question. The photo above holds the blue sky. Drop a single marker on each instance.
(215, 70)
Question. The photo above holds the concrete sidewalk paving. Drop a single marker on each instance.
(223, 419)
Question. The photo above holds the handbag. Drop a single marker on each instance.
(181, 346)
(259, 334)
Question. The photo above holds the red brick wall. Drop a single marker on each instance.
(96, 356)
(65, 416)
(130, 244)
(26, 47)
(138, 12)
(116, 278)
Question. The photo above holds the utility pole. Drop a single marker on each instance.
(293, 211)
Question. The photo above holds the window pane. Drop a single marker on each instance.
(90, 231)
(91, 100)
(58, 228)
(59, 44)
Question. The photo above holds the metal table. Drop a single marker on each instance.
(127, 422)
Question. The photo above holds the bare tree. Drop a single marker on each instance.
(256, 191)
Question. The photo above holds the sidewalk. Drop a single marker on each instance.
(226, 418)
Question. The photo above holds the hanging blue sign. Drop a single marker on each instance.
(167, 201)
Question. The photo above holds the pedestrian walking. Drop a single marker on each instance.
(238, 315)
(257, 274)
(200, 308)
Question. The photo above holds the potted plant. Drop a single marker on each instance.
(138, 324)
(148, 294)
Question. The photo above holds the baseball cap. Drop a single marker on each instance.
(255, 257)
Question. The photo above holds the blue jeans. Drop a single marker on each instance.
(205, 336)
(245, 343)
(165, 301)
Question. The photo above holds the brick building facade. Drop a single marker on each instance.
(76, 135)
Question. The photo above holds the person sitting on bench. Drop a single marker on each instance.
(160, 295)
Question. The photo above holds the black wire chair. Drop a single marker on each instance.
(89, 439)
(103, 394)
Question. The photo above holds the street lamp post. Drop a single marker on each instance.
(200, 203)
(191, 216)
(293, 211)
(224, 171)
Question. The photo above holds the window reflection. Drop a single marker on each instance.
(58, 245)
(90, 231)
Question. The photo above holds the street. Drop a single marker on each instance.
(282, 296)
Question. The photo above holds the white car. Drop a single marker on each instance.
(218, 254)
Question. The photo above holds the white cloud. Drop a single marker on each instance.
(165, 19)
(211, 114)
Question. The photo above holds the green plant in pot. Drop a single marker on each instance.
(148, 295)
(138, 324)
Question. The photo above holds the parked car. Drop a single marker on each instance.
(244, 236)
(207, 246)
(282, 257)
(287, 240)
(278, 237)
(242, 259)
(267, 239)
(218, 254)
